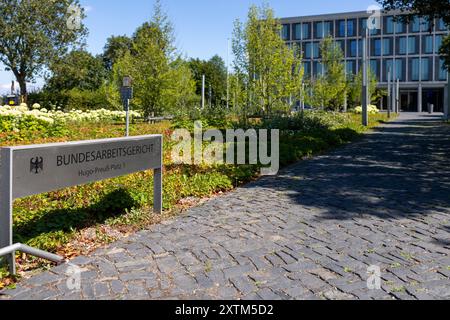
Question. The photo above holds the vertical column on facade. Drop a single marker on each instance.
(446, 101)
(419, 98)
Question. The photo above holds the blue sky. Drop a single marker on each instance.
(202, 27)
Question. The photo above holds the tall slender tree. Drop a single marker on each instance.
(271, 72)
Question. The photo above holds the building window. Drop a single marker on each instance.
(399, 67)
(376, 47)
(425, 25)
(442, 71)
(414, 69)
(438, 43)
(341, 28)
(351, 67)
(318, 30)
(412, 45)
(425, 69)
(318, 68)
(388, 66)
(316, 50)
(440, 24)
(362, 26)
(351, 28)
(402, 45)
(387, 46)
(285, 32)
(297, 31)
(389, 25)
(341, 45)
(306, 31)
(415, 24)
(352, 48)
(308, 50)
(327, 29)
(307, 69)
(427, 44)
(375, 68)
(400, 26)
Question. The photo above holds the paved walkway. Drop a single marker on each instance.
(310, 233)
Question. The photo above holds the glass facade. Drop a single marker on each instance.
(409, 49)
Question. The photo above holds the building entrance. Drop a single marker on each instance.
(433, 96)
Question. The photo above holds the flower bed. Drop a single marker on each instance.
(21, 120)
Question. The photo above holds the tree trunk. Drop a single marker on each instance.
(23, 89)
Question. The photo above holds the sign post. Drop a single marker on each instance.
(35, 169)
(126, 93)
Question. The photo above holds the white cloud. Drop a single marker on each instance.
(88, 9)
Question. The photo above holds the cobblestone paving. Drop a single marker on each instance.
(309, 233)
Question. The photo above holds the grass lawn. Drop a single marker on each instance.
(77, 220)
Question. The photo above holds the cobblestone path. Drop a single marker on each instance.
(309, 233)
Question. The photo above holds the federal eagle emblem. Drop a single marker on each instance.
(36, 165)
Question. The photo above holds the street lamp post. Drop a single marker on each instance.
(365, 86)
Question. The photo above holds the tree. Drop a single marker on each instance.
(215, 73)
(330, 88)
(270, 71)
(34, 32)
(116, 47)
(355, 88)
(153, 65)
(429, 10)
(77, 69)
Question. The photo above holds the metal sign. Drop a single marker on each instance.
(126, 93)
(36, 169)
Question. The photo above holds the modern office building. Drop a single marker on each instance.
(410, 50)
